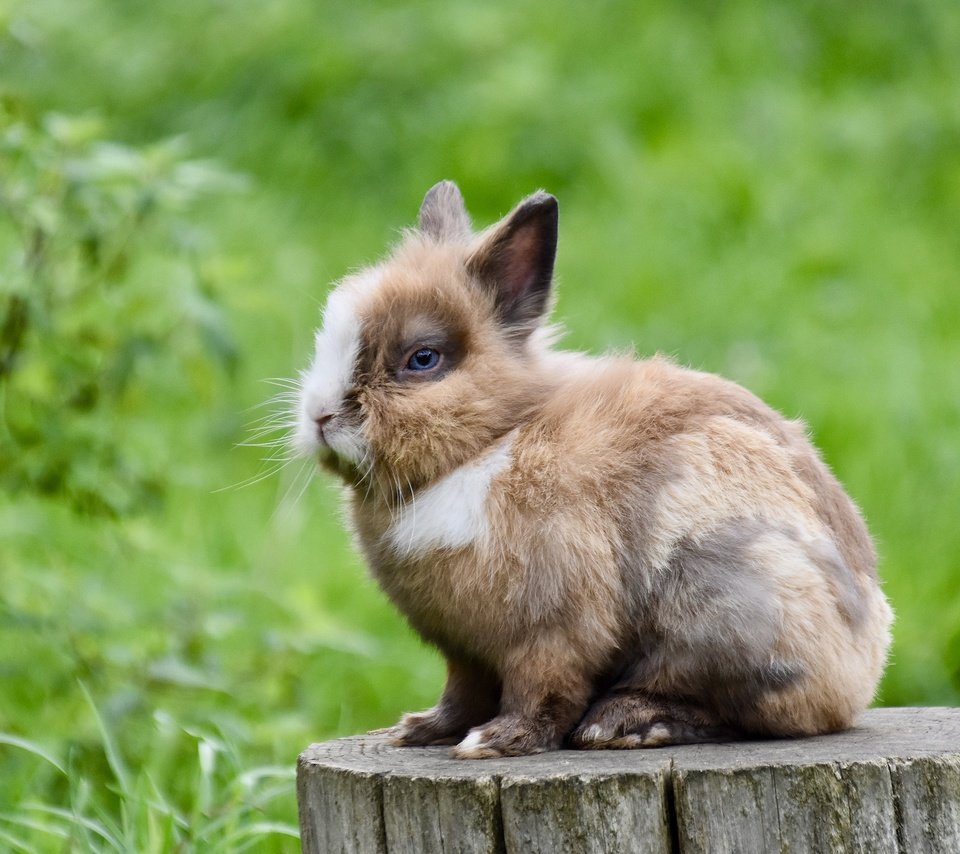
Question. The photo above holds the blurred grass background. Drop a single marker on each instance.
(770, 192)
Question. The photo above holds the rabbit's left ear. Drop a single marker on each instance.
(514, 258)
(443, 215)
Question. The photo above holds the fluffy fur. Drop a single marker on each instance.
(608, 552)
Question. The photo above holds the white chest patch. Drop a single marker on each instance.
(451, 513)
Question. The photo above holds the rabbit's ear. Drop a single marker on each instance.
(515, 258)
(443, 215)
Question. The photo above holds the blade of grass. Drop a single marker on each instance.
(114, 759)
(31, 747)
(14, 843)
(36, 824)
(252, 834)
(80, 821)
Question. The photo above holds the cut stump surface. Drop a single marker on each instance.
(891, 784)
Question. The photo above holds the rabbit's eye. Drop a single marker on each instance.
(424, 359)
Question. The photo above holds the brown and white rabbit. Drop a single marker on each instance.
(611, 552)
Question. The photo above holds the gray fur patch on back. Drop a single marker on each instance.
(710, 629)
(843, 585)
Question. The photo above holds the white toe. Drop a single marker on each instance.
(473, 739)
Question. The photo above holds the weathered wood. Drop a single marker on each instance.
(586, 812)
(340, 810)
(813, 807)
(890, 784)
(927, 792)
(442, 814)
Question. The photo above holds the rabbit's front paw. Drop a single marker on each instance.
(419, 729)
(507, 735)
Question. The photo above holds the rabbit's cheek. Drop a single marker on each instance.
(348, 443)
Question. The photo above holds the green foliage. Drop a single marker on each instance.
(87, 298)
(767, 191)
(139, 812)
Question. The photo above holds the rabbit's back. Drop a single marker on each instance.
(682, 451)
(745, 576)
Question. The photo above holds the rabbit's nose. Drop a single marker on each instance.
(322, 421)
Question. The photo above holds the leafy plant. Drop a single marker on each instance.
(102, 280)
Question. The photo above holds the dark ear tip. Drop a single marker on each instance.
(539, 204)
(541, 198)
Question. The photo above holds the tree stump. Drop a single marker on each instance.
(890, 784)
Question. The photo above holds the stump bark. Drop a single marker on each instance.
(892, 784)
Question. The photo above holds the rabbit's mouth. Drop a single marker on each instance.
(328, 432)
(331, 460)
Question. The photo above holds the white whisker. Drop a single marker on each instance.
(282, 382)
(285, 506)
(273, 443)
(306, 483)
(255, 479)
(274, 431)
(264, 433)
(282, 459)
(286, 397)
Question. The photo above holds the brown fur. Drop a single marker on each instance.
(661, 557)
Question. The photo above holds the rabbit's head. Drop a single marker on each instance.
(426, 358)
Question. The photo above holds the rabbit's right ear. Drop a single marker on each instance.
(443, 215)
(514, 259)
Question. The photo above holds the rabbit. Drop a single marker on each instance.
(608, 552)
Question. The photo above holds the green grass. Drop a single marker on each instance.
(768, 192)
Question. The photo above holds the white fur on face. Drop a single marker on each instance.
(328, 379)
(451, 513)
